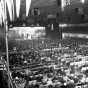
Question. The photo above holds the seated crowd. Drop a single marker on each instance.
(54, 64)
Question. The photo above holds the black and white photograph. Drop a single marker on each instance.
(43, 43)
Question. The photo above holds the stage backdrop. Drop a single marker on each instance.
(27, 33)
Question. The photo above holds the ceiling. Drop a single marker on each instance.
(42, 3)
(47, 7)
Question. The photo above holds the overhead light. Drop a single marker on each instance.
(82, 1)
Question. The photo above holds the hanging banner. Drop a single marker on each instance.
(28, 4)
(68, 2)
(12, 5)
(64, 3)
(83, 1)
(18, 3)
(0, 13)
(3, 10)
(8, 2)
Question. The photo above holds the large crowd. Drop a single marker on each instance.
(54, 64)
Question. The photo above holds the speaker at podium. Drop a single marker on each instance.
(53, 30)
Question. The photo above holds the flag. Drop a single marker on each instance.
(28, 4)
(18, 3)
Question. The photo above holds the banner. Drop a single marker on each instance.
(83, 1)
(68, 2)
(64, 3)
(18, 3)
(9, 6)
(28, 4)
(12, 5)
(1, 13)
